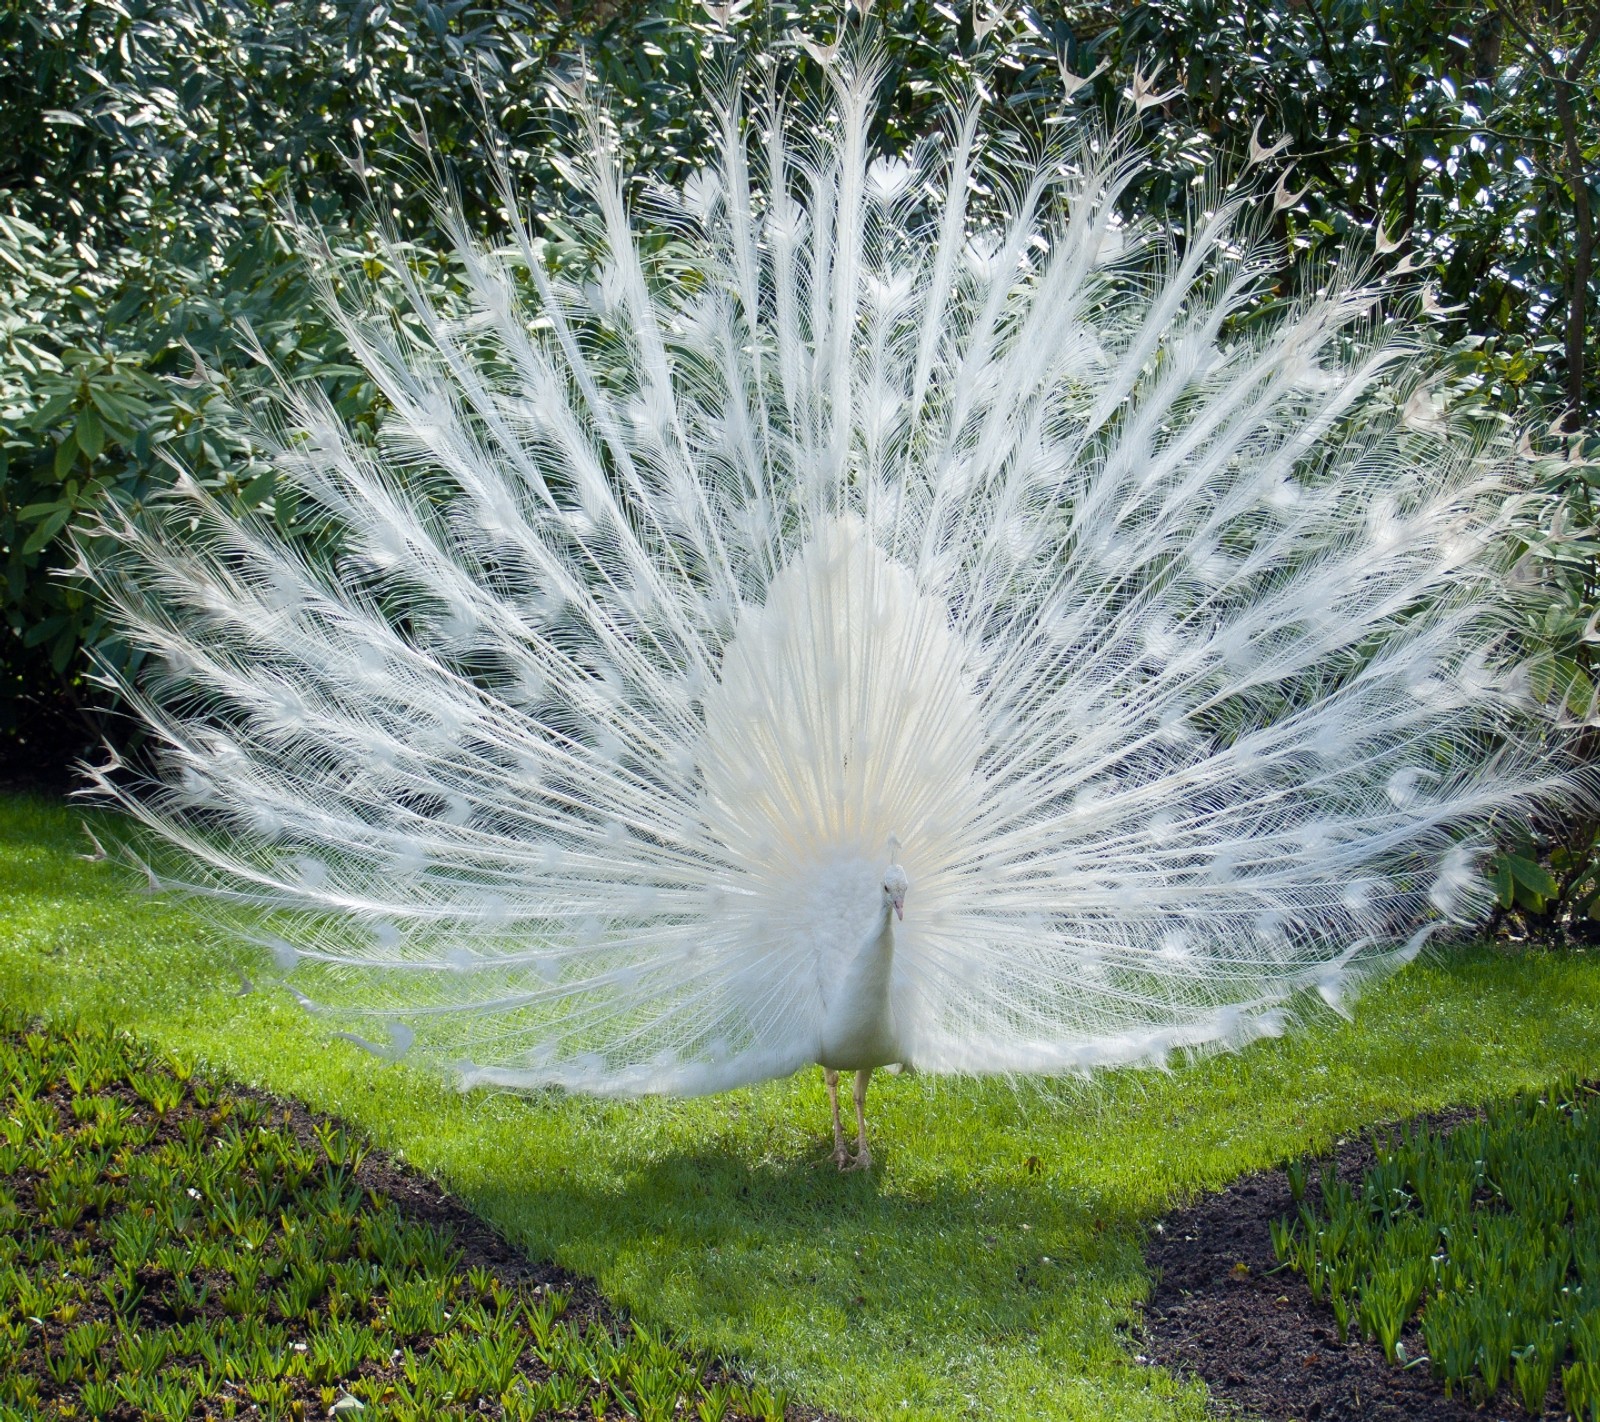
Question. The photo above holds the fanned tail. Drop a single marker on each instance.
(1174, 648)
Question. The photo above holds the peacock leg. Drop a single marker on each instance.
(840, 1155)
(863, 1156)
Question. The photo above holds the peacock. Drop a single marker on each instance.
(880, 608)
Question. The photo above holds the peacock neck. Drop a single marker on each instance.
(858, 1031)
(876, 955)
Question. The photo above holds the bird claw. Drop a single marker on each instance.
(841, 1157)
(847, 1163)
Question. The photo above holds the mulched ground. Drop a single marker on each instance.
(1257, 1338)
(418, 1199)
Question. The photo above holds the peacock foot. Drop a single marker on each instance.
(841, 1157)
(862, 1160)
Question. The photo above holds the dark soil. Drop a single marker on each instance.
(1263, 1346)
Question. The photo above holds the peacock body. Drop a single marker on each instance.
(863, 623)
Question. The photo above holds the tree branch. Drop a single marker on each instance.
(1585, 51)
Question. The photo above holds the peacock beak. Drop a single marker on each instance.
(899, 902)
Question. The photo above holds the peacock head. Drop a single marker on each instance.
(895, 885)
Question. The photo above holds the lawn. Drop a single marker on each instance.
(989, 1266)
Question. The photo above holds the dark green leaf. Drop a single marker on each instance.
(47, 530)
(1532, 875)
(90, 432)
(1504, 885)
(66, 455)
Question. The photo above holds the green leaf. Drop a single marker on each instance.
(90, 432)
(43, 631)
(257, 489)
(1532, 875)
(51, 411)
(46, 531)
(62, 652)
(1533, 882)
(1580, 692)
(112, 405)
(1504, 888)
(66, 455)
(33, 511)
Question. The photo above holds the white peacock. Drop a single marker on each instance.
(932, 631)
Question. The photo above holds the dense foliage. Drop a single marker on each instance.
(147, 148)
(1491, 1233)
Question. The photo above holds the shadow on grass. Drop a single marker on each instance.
(947, 1272)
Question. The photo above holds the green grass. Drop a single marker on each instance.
(167, 1248)
(989, 1267)
(1491, 1230)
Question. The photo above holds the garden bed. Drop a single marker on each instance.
(1224, 1311)
(173, 1248)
